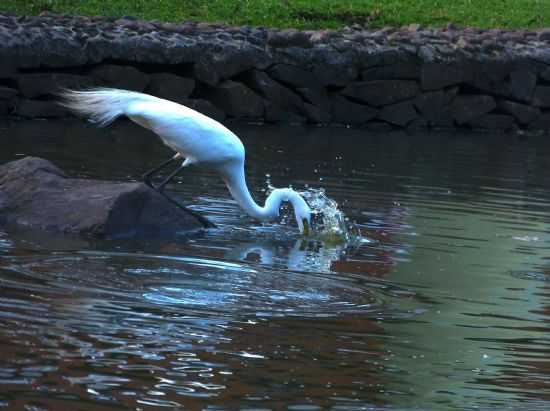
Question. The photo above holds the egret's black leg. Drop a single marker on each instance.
(160, 189)
(203, 220)
(147, 176)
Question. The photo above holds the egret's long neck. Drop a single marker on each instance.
(236, 183)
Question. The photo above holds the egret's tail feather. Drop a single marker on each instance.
(101, 105)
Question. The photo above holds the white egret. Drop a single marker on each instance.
(196, 139)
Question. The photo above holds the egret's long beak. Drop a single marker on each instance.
(306, 227)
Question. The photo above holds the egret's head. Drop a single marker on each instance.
(302, 212)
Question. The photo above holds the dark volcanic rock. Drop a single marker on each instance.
(399, 114)
(288, 38)
(317, 106)
(36, 194)
(274, 92)
(39, 109)
(382, 92)
(468, 108)
(39, 84)
(409, 70)
(7, 93)
(275, 114)
(236, 100)
(436, 76)
(316, 96)
(494, 122)
(218, 63)
(522, 112)
(7, 99)
(522, 84)
(316, 115)
(125, 77)
(170, 86)
(7, 68)
(541, 123)
(335, 69)
(489, 77)
(293, 76)
(205, 107)
(435, 107)
(6, 107)
(347, 112)
(545, 74)
(541, 96)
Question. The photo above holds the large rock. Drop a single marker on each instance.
(545, 74)
(39, 109)
(335, 69)
(170, 86)
(7, 68)
(468, 108)
(489, 77)
(541, 123)
(436, 76)
(316, 102)
(293, 76)
(205, 107)
(407, 69)
(494, 122)
(522, 84)
(316, 96)
(348, 112)
(541, 96)
(316, 115)
(125, 77)
(7, 93)
(6, 107)
(36, 194)
(274, 92)
(276, 114)
(34, 85)
(219, 63)
(7, 99)
(522, 112)
(288, 38)
(435, 106)
(381, 92)
(236, 100)
(399, 114)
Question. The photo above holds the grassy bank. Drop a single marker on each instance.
(309, 13)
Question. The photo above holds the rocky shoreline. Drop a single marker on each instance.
(405, 78)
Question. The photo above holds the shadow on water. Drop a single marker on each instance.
(445, 307)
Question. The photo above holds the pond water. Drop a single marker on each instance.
(447, 306)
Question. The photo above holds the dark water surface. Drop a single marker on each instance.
(448, 307)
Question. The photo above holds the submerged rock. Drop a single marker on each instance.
(36, 194)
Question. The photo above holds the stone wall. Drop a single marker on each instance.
(408, 77)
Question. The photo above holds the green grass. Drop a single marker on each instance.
(310, 14)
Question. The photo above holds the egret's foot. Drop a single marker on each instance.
(203, 220)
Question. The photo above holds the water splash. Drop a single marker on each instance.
(328, 222)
